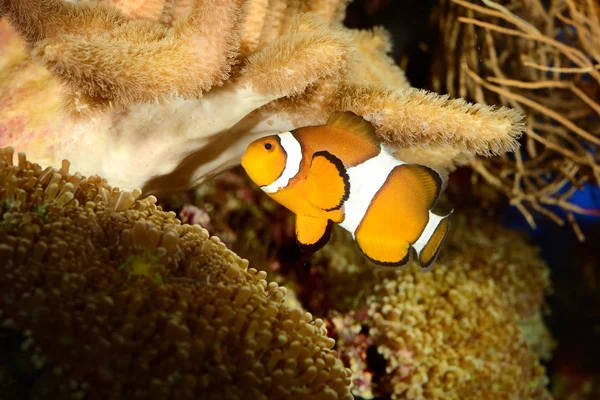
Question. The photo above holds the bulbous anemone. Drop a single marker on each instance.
(118, 299)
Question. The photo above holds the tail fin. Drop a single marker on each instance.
(429, 243)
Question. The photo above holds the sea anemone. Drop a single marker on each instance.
(109, 296)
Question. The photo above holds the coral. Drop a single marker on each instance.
(115, 298)
(470, 329)
(541, 58)
(445, 335)
(295, 64)
(228, 206)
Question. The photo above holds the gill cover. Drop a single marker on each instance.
(264, 160)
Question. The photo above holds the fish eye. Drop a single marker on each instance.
(268, 146)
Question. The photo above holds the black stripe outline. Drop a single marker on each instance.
(400, 263)
(438, 181)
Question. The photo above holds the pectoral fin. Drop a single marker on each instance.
(329, 185)
(312, 233)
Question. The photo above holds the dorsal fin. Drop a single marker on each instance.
(355, 124)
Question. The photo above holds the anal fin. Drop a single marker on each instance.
(329, 182)
(312, 233)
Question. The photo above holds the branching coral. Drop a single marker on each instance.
(117, 299)
(296, 63)
(543, 60)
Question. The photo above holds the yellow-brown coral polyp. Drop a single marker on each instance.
(469, 329)
(123, 301)
(447, 336)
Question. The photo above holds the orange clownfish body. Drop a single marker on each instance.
(340, 172)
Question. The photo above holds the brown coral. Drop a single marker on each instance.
(120, 300)
(471, 328)
(445, 335)
(543, 60)
(479, 313)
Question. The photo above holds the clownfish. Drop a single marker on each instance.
(342, 173)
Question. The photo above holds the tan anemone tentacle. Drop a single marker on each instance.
(269, 75)
(311, 66)
(39, 20)
(112, 60)
(414, 117)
